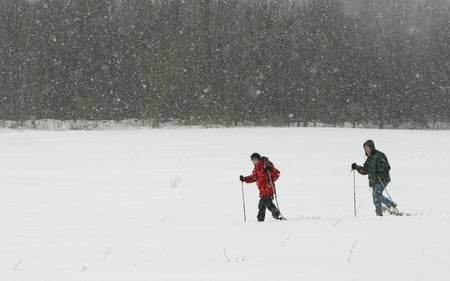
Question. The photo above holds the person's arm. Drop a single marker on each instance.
(274, 173)
(269, 168)
(363, 170)
(383, 165)
(251, 178)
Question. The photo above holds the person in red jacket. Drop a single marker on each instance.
(264, 174)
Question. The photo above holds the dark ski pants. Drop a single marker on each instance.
(267, 203)
(378, 199)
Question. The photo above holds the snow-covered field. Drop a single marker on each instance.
(167, 205)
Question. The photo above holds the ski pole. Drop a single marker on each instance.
(243, 201)
(387, 192)
(274, 190)
(354, 193)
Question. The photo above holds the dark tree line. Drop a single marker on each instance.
(226, 61)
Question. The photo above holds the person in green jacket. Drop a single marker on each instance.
(377, 167)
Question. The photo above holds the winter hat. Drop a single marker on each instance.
(369, 143)
(255, 156)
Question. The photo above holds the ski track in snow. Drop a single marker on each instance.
(167, 205)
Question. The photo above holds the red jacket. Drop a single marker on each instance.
(261, 177)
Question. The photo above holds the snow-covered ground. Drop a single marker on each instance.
(167, 205)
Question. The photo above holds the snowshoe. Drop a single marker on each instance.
(279, 217)
(393, 211)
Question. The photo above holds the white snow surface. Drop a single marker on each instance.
(167, 205)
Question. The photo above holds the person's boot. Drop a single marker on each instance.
(379, 211)
(277, 215)
(261, 216)
(392, 208)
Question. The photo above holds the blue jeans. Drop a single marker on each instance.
(378, 199)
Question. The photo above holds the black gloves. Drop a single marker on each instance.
(241, 178)
(266, 169)
(355, 166)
